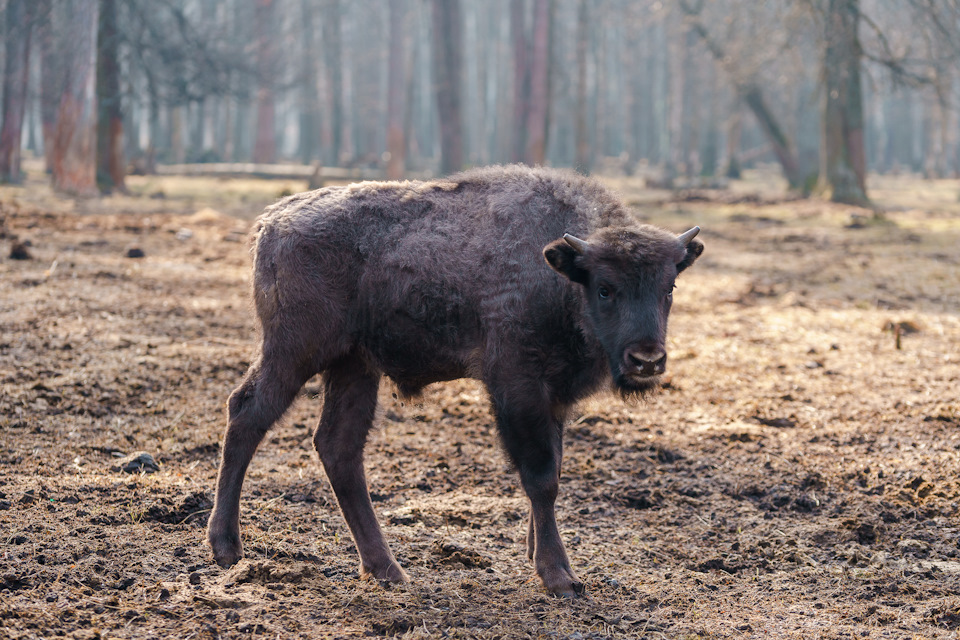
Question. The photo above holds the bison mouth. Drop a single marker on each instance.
(635, 385)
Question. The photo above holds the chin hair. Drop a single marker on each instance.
(636, 390)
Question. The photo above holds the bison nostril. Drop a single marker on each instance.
(661, 365)
(651, 362)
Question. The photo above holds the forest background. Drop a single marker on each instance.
(678, 92)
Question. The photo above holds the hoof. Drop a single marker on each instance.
(227, 549)
(227, 560)
(389, 573)
(563, 582)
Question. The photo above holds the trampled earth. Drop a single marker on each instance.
(797, 477)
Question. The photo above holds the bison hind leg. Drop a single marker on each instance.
(267, 391)
(349, 405)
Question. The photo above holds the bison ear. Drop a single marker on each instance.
(694, 249)
(562, 257)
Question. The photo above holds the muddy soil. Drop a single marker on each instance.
(797, 477)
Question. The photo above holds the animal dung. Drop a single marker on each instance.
(19, 251)
(137, 462)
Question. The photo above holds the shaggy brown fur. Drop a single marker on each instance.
(431, 281)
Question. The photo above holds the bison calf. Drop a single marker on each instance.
(534, 281)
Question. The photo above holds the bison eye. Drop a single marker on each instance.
(603, 292)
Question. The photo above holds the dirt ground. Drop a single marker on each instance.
(796, 478)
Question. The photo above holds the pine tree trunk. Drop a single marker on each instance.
(178, 152)
(396, 91)
(110, 166)
(521, 78)
(15, 76)
(734, 129)
(265, 145)
(601, 109)
(153, 128)
(536, 127)
(580, 116)
(49, 79)
(229, 130)
(504, 139)
(74, 145)
(711, 146)
(692, 102)
(842, 155)
(447, 69)
(309, 92)
(333, 45)
(677, 66)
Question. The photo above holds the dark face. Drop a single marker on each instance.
(628, 276)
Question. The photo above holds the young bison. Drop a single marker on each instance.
(431, 281)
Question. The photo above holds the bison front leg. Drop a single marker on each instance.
(532, 438)
(349, 403)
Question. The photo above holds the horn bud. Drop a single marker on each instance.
(687, 236)
(579, 245)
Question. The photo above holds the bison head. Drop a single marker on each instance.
(628, 276)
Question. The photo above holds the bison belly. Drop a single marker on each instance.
(420, 333)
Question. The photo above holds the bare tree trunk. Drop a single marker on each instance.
(580, 118)
(752, 96)
(15, 77)
(229, 137)
(915, 116)
(536, 128)
(414, 84)
(505, 143)
(265, 146)
(309, 92)
(950, 126)
(483, 59)
(939, 143)
(734, 128)
(782, 147)
(711, 146)
(178, 151)
(631, 60)
(448, 66)
(692, 102)
(333, 54)
(110, 166)
(881, 135)
(842, 155)
(74, 148)
(933, 115)
(396, 91)
(49, 78)
(601, 109)
(521, 78)
(677, 68)
(153, 127)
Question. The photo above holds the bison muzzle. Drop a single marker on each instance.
(445, 279)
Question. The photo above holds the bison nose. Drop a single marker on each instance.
(646, 362)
